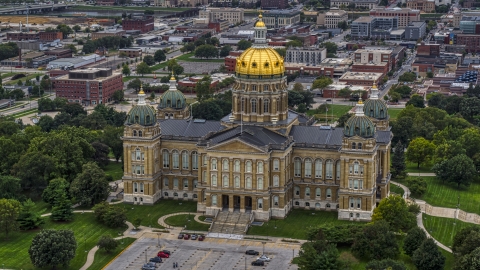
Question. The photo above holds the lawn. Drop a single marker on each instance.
(188, 58)
(14, 251)
(114, 169)
(8, 74)
(412, 168)
(103, 258)
(393, 113)
(296, 224)
(442, 229)
(182, 220)
(24, 113)
(23, 79)
(396, 189)
(93, 8)
(446, 195)
(151, 213)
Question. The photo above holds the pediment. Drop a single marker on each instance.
(236, 145)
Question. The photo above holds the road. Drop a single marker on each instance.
(32, 105)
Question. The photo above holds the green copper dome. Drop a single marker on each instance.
(172, 98)
(359, 124)
(375, 107)
(141, 113)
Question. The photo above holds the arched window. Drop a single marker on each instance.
(318, 192)
(354, 145)
(297, 167)
(214, 199)
(185, 163)
(276, 181)
(135, 199)
(329, 169)
(297, 190)
(165, 182)
(259, 167)
(225, 165)
(214, 180)
(194, 160)
(248, 183)
(175, 159)
(329, 193)
(141, 187)
(276, 164)
(134, 133)
(185, 195)
(359, 203)
(195, 196)
(266, 104)
(297, 203)
(275, 200)
(165, 194)
(204, 176)
(175, 183)
(225, 181)
(147, 119)
(139, 133)
(195, 183)
(278, 105)
(236, 166)
(338, 170)
(254, 105)
(243, 105)
(237, 181)
(317, 205)
(360, 146)
(259, 183)
(318, 168)
(260, 203)
(185, 183)
(307, 191)
(248, 166)
(356, 167)
(166, 159)
(307, 204)
(308, 167)
(214, 164)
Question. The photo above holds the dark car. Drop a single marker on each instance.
(252, 252)
(180, 236)
(201, 237)
(258, 263)
(156, 260)
(194, 237)
(151, 264)
(148, 267)
(186, 236)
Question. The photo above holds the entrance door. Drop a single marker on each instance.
(225, 202)
(248, 204)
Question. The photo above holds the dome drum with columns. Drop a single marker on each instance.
(262, 159)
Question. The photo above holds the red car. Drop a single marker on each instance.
(162, 254)
(186, 236)
(201, 237)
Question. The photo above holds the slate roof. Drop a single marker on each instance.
(316, 135)
(383, 136)
(188, 128)
(258, 136)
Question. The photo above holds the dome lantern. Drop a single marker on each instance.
(142, 113)
(359, 124)
(172, 98)
(374, 107)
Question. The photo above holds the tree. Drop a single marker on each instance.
(294, 98)
(159, 56)
(10, 187)
(417, 101)
(112, 138)
(110, 215)
(76, 28)
(225, 51)
(65, 29)
(72, 47)
(318, 255)
(429, 74)
(143, 68)
(50, 248)
(407, 77)
(177, 70)
(428, 257)
(470, 261)
(466, 240)
(413, 240)
(28, 219)
(322, 82)
(40, 167)
(203, 89)
(135, 84)
(74, 109)
(345, 92)
(394, 210)
(9, 211)
(189, 47)
(136, 223)
(244, 44)
(149, 60)
(470, 107)
(459, 170)
(298, 87)
(343, 119)
(56, 187)
(208, 110)
(101, 154)
(118, 96)
(398, 161)
(206, 51)
(420, 151)
(376, 242)
(126, 70)
(294, 43)
(418, 186)
(330, 46)
(107, 243)
(385, 264)
(281, 51)
(94, 121)
(90, 186)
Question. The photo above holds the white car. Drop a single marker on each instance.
(263, 258)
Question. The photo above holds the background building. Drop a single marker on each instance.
(274, 4)
(280, 18)
(331, 18)
(108, 33)
(373, 27)
(142, 23)
(415, 30)
(232, 15)
(426, 6)
(404, 15)
(367, 4)
(312, 56)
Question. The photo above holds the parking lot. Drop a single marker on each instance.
(215, 254)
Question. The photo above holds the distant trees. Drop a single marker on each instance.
(376, 242)
(428, 257)
(149, 60)
(160, 56)
(8, 50)
(459, 169)
(143, 68)
(413, 240)
(206, 51)
(398, 164)
(407, 77)
(244, 44)
(420, 151)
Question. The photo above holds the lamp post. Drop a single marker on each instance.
(158, 239)
(263, 252)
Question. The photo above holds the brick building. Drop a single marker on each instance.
(88, 86)
(471, 42)
(132, 52)
(231, 60)
(274, 4)
(331, 18)
(368, 67)
(142, 23)
(428, 49)
(404, 15)
(109, 33)
(105, 2)
(50, 36)
(365, 56)
(60, 53)
(16, 35)
(361, 78)
(426, 6)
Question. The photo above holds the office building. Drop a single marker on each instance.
(274, 4)
(426, 6)
(232, 15)
(415, 30)
(312, 56)
(276, 19)
(404, 15)
(367, 4)
(331, 18)
(142, 23)
(373, 27)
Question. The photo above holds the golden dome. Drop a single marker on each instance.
(260, 61)
(260, 24)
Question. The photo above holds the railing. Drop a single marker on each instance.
(211, 226)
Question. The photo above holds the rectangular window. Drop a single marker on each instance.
(195, 161)
(166, 161)
(318, 169)
(176, 161)
(135, 187)
(260, 183)
(260, 167)
(276, 165)
(185, 183)
(141, 187)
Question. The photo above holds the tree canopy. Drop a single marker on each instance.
(51, 248)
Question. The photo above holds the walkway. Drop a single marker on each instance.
(420, 174)
(161, 220)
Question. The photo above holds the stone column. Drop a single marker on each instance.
(230, 203)
(242, 204)
(384, 167)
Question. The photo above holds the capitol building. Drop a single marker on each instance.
(263, 158)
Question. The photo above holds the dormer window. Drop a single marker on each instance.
(254, 65)
(147, 119)
(266, 65)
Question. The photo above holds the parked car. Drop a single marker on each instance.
(148, 267)
(180, 236)
(156, 259)
(167, 252)
(151, 264)
(263, 258)
(194, 237)
(201, 237)
(252, 252)
(163, 255)
(258, 263)
(186, 236)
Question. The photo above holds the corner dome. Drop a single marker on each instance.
(359, 124)
(375, 107)
(142, 113)
(172, 98)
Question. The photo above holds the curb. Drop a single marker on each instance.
(118, 255)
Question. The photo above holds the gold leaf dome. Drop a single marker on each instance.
(260, 61)
(260, 23)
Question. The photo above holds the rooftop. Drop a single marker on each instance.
(361, 76)
(336, 61)
(416, 24)
(91, 70)
(364, 20)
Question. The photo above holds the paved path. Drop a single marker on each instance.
(420, 174)
(161, 220)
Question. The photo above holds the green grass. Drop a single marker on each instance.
(187, 58)
(296, 224)
(442, 229)
(202, 218)
(14, 250)
(182, 220)
(412, 168)
(398, 190)
(102, 258)
(24, 113)
(335, 110)
(446, 195)
(93, 8)
(8, 74)
(151, 213)
(159, 66)
(23, 79)
(393, 113)
(114, 169)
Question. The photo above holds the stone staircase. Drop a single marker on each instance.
(231, 223)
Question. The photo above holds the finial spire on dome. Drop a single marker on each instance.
(173, 77)
(141, 89)
(141, 96)
(374, 92)
(359, 108)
